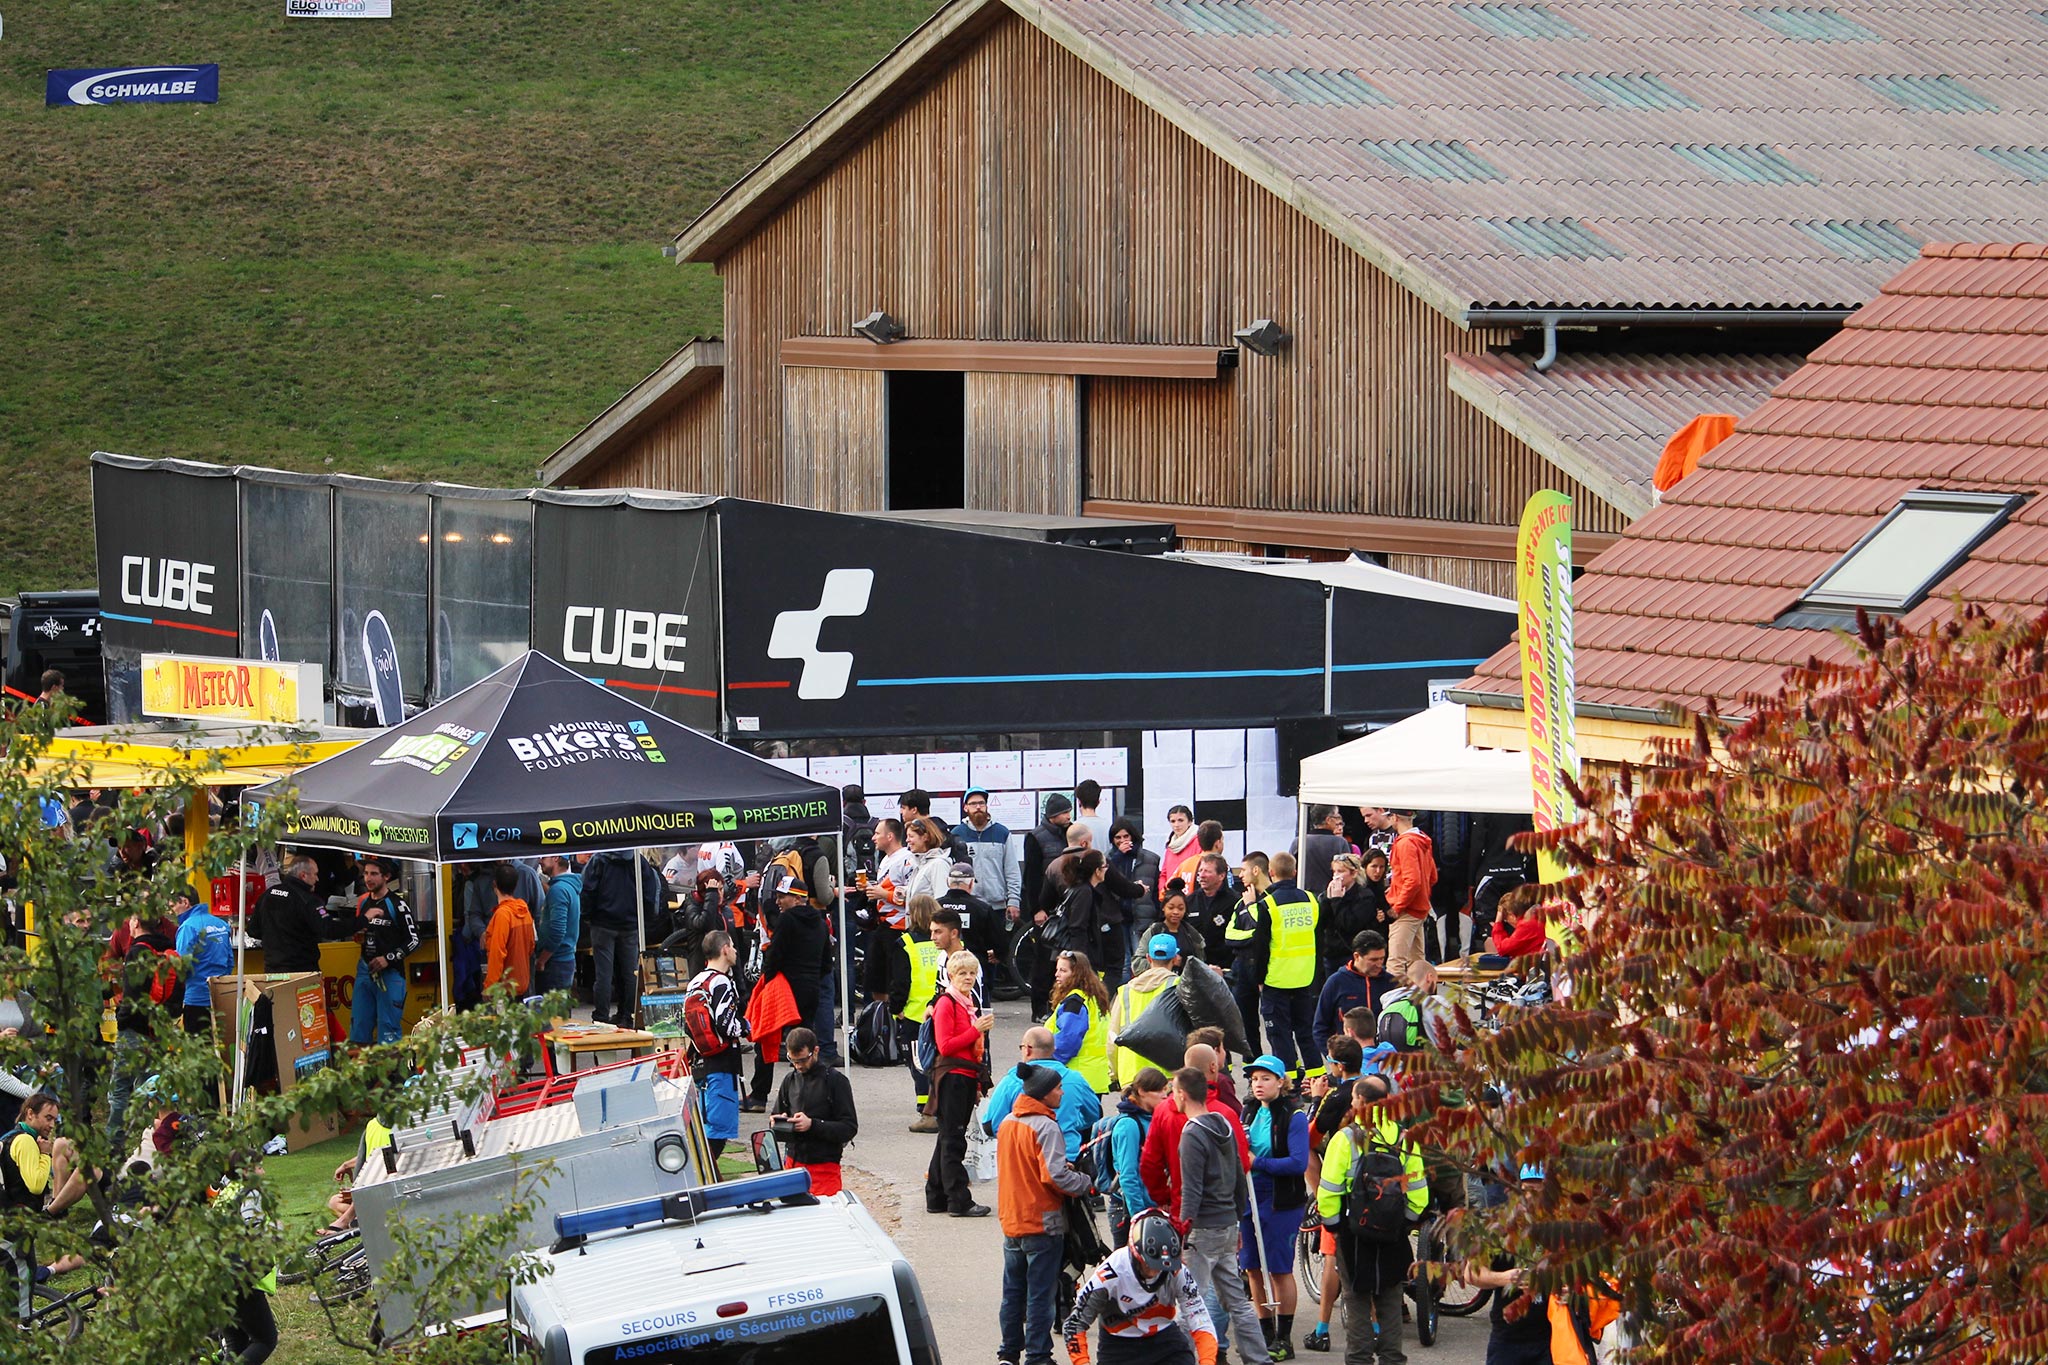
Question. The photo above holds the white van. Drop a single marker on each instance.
(756, 1271)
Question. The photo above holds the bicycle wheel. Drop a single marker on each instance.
(348, 1279)
(55, 1314)
(319, 1258)
(1457, 1299)
(1309, 1265)
(1023, 952)
(1421, 1288)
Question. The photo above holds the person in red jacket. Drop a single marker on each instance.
(1159, 1158)
(1411, 876)
(1518, 931)
(961, 1032)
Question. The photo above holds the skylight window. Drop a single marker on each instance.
(1919, 543)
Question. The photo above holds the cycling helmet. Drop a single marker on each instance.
(1155, 1248)
(1532, 1172)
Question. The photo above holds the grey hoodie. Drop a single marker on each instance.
(1212, 1181)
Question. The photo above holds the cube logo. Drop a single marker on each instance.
(376, 831)
(552, 832)
(465, 836)
(724, 818)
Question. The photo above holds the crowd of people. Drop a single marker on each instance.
(1205, 1189)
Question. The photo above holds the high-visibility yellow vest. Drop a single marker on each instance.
(1131, 1006)
(1244, 924)
(924, 976)
(1292, 964)
(1092, 1062)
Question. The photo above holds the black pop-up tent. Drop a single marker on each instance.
(538, 759)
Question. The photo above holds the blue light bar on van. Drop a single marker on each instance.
(684, 1206)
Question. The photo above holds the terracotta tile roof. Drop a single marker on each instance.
(1710, 154)
(1942, 382)
(1604, 418)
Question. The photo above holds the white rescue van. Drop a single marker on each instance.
(755, 1271)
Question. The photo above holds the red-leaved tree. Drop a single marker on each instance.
(1795, 1107)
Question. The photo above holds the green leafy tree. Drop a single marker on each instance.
(1795, 1106)
(177, 1250)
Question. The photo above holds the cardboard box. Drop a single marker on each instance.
(300, 1039)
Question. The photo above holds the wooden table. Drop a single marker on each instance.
(579, 1047)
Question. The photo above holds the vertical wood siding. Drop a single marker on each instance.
(1024, 197)
(1024, 443)
(1480, 575)
(684, 450)
(836, 437)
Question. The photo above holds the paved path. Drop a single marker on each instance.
(959, 1260)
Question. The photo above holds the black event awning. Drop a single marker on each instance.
(538, 759)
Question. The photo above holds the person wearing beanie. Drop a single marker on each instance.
(1041, 847)
(1034, 1182)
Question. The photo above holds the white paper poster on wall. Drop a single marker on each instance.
(947, 808)
(942, 773)
(1168, 746)
(801, 767)
(888, 774)
(1109, 767)
(1001, 770)
(1018, 811)
(1049, 769)
(838, 770)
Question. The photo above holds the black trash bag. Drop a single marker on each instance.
(1161, 1034)
(1206, 1000)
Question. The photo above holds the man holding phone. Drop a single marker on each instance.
(813, 1115)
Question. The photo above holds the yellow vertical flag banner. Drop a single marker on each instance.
(1543, 593)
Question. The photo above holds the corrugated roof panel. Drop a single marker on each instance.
(1866, 240)
(2030, 162)
(1435, 160)
(1812, 24)
(1629, 89)
(1941, 94)
(1565, 238)
(1750, 163)
(1324, 87)
(1220, 16)
(1517, 20)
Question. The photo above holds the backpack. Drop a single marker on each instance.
(700, 1023)
(1401, 1025)
(1098, 1161)
(1376, 1206)
(14, 1191)
(875, 1040)
(857, 849)
(163, 981)
(925, 1057)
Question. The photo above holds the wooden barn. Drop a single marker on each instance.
(1306, 275)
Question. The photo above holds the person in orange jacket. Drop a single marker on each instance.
(509, 941)
(1411, 876)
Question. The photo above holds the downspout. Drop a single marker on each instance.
(1549, 356)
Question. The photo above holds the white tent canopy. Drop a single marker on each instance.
(1360, 575)
(1421, 763)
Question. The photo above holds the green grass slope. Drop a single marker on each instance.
(423, 246)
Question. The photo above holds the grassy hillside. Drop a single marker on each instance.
(427, 246)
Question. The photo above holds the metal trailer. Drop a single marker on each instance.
(551, 1157)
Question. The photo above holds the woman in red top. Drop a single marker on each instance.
(961, 1032)
(1518, 932)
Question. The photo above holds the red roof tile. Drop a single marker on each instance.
(1940, 383)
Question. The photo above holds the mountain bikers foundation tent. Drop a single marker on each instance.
(1421, 763)
(537, 759)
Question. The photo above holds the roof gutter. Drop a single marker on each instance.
(1634, 715)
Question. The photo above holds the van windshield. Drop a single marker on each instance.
(853, 1330)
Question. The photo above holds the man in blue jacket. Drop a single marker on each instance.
(1079, 1108)
(205, 938)
(561, 923)
(1362, 983)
